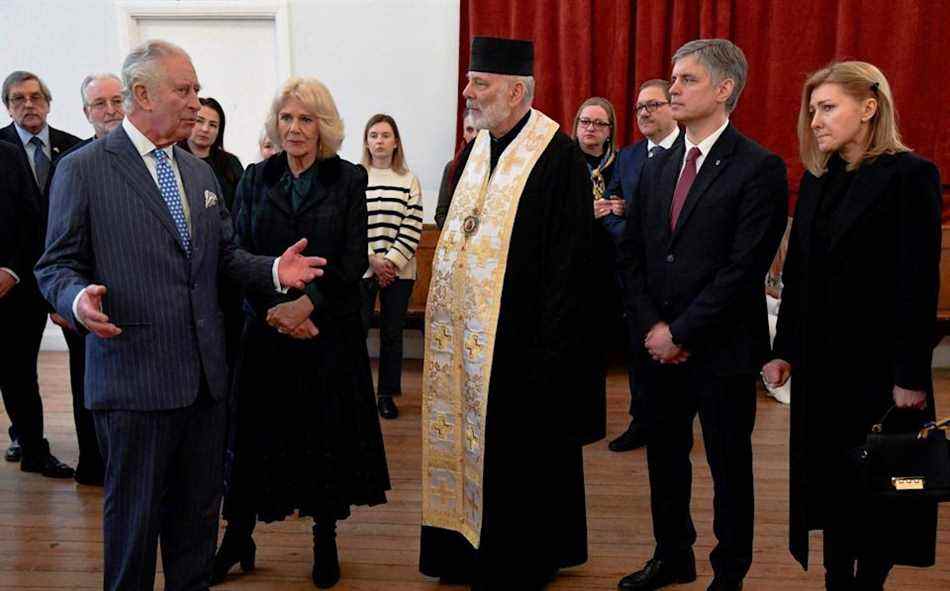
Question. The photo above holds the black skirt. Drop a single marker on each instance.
(307, 433)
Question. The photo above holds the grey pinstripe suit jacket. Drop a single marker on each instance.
(109, 225)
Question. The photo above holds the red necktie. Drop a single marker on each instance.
(682, 186)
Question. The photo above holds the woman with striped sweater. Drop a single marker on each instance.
(394, 206)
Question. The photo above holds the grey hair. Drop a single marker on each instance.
(528, 83)
(19, 77)
(141, 67)
(94, 78)
(723, 59)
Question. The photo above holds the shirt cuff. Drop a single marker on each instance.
(276, 277)
(12, 274)
(76, 308)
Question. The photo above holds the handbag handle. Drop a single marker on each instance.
(878, 427)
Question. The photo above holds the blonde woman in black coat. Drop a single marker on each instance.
(856, 323)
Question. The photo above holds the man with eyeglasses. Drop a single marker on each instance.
(102, 104)
(22, 309)
(660, 132)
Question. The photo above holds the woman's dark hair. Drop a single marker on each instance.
(217, 154)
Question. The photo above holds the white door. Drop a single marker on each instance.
(237, 64)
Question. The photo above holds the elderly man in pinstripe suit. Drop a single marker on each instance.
(136, 240)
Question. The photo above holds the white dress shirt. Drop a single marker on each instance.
(704, 147)
(665, 143)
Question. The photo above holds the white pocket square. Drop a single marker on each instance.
(210, 199)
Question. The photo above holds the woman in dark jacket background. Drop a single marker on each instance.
(308, 437)
(207, 142)
(856, 323)
(593, 132)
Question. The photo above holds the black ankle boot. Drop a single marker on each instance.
(326, 562)
(235, 547)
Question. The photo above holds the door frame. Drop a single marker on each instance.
(130, 12)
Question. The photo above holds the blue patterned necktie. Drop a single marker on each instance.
(168, 186)
(657, 149)
(40, 162)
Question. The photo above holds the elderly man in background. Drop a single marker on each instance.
(507, 396)
(22, 309)
(137, 238)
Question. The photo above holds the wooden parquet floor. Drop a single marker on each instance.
(50, 536)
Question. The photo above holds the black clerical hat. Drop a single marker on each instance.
(502, 56)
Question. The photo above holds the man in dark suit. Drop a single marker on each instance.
(102, 105)
(39, 146)
(656, 123)
(138, 235)
(700, 235)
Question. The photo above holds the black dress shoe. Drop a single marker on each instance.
(633, 438)
(660, 573)
(47, 465)
(387, 407)
(232, 551)
(719, 584)
(14, 452)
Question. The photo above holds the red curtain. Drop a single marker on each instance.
(607, 47)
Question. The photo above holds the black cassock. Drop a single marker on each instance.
(547, 393)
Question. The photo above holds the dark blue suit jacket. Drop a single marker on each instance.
(109, 225)
(624, 184)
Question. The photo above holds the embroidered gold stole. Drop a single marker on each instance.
(468, 273)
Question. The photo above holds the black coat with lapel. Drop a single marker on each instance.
(60, 142)
(20, 215)
(332, 218)
(880, 282)
(33, 232)
(705, 277)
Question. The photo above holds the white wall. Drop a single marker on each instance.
(394, 56)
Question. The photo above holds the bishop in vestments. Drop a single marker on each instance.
(512, 386)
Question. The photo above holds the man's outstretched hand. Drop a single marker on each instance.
(89, 312)
(295, 270)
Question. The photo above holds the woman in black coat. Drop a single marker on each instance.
(308, 437)
(593, 132)
(856, 323)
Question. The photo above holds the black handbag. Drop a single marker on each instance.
(905, 465)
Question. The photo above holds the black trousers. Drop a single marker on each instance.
(90, 458)
(23, 318)
(726, 408)
(163, 481)
(639, 405)
(393, 303)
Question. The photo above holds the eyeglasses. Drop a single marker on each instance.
(18, 100)
(650, 107)
(100, 104)
(585, 122)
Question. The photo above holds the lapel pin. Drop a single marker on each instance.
(717, 162)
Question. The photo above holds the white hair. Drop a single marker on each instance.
(94, 78)
(141, 67)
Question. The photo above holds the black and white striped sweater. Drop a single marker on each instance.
(394, 205)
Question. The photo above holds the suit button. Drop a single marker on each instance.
(667, 303)
(670, 258)
(194, 285)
